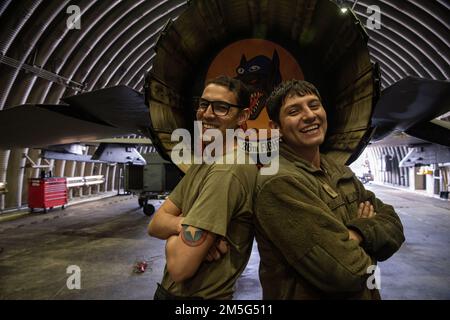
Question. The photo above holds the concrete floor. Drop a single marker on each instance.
(106, 238)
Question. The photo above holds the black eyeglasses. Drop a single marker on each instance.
(219, 108)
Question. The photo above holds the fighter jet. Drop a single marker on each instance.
(85, 119)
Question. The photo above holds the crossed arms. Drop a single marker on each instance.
(310, 237)
(187, 246)
(383, 234)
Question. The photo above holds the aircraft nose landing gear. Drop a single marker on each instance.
(147, 207)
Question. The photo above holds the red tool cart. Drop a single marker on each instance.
(47, 193)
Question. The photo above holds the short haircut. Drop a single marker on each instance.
(234, 85)
(285, 89)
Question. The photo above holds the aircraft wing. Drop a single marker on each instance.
(120, 107)
(105, 113)
(406, 113)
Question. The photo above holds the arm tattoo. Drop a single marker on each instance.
(193, 236)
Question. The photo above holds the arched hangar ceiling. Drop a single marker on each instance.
(413, 38)
(115, 41)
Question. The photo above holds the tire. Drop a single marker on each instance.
(149, 209)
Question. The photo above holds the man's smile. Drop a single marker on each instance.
(210, 126)
(311, 130)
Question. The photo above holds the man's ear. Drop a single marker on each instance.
(273, 125)
(243, 116)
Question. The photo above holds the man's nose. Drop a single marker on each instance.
(209, 111)
(308, 115)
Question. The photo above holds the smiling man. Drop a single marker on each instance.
(212, 202)
(319, 232)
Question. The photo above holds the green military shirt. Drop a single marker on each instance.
(217, 198)
(302, 217)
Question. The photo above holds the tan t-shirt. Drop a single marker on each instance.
(217, 198)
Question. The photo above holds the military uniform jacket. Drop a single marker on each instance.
(302, 217)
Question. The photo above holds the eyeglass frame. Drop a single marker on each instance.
(228, 105)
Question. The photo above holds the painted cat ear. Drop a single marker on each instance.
(243, 60)
(276, 59)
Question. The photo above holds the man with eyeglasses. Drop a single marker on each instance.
(207, 219)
